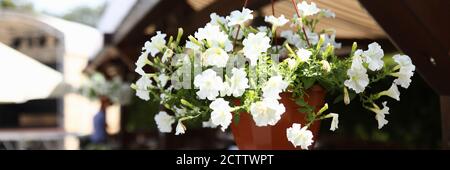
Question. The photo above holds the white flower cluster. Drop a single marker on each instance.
(206, 77)
(97, 85)
(373, 58)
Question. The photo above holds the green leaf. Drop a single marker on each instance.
(300, 102)
(309, 117)
(308, 82)
(305, 110)
(236, 118)
(354, 47)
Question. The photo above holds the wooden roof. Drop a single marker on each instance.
(352, 20)
(421, 30)
(145, 18)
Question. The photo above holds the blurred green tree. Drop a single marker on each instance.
(17, 5)
(7, 4)
(85, 15)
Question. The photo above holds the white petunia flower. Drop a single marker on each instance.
(293, 39)
(312, 36)
(306, 9)
(209, 84)
(168, 54)
(403, 78)
(358, 78)
(373, 56)
(267, 112)
(164, 122)
(328, 13)
(180, 129)
(299, 136)
(254, 45)
(263, 29)
(217, 20)
(141, 88)
(180, 112)
(225, 91)
(234, 32)
(273, 87)
(292, 63)
(162, 78)
(381, 120)
(304, 54)
(156, 44)
(334, 122)
(391, 92)
(208, 124)
(237, 84)
(214, 37)
(140, 63)
(287, 34)
(215, 57)
(406, 70)
(192, 46)
(221, 114)
(276, 22)
(239, 18)
(380, 114)
(325, 65)
(163, 98)
(404, 62)
(331, 40)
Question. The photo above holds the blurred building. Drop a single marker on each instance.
(65, 47)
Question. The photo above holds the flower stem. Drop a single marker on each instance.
(303, 27)
(239, 27)
(274, 30)
(236, 36)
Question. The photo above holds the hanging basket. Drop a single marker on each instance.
(248, 136)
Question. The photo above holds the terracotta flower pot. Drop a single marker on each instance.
(248, 136)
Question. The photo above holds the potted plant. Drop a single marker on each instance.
(232, 74)
(97, 87)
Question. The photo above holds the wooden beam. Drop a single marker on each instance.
(419, 29)
(182, 16)
(165, 16)
(107, 53)
(445, 119)
(139, 11)
(221, 7)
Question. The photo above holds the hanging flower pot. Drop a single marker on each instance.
(248, 136)
(280, 103)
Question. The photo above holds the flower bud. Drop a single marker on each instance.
(326, 65)
(346, 96)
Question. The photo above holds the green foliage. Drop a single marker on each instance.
(141, 114)
(20, 5)
(7, 4)
(85, 15)
(236, 118)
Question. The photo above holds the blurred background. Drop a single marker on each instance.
(47, 47)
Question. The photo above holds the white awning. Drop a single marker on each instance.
(116, 11)
(23, 78)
